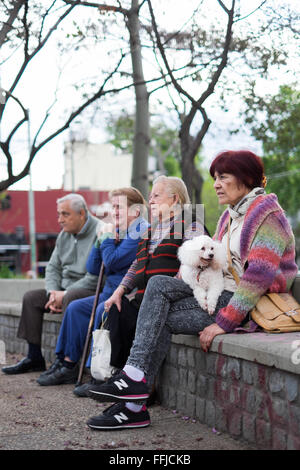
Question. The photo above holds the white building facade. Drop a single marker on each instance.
(97, 167)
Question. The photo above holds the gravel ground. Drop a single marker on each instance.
(53, 418)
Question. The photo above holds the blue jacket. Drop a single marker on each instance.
(117, 258)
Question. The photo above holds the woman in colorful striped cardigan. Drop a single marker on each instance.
(262, 249)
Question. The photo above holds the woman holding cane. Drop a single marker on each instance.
(127, 209)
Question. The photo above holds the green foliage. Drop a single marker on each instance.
(279, 131)
(121, 132)
(211, 206)
(5, 272)
(164, 143)
(172, 166)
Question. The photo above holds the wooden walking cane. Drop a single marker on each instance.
(91, 324)
(92, 319)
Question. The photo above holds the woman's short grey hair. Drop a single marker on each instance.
(175, 186)
(77, 202)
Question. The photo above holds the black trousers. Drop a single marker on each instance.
(122, 330)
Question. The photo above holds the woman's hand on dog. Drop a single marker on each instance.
(207, 335)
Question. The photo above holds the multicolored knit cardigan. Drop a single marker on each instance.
(267, 253)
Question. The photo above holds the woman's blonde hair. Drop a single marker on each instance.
(175, 186)
(133, 196)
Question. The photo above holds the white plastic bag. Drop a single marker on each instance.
(101, 350)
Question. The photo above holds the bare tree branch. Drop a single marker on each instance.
(223, 6)
(7, 25)
(190, 145)
(251, 12)
(28, 56)
(97, 95)
(100, 6)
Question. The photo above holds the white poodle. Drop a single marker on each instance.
(203, 261)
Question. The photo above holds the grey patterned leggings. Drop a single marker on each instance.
(168, 307)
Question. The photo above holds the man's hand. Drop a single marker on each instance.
(55, 301)
(207, 335)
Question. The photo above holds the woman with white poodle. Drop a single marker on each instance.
(262, 249)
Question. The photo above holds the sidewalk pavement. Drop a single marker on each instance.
(53, 418)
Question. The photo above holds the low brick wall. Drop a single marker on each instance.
(249, 399)
(11, 294)
(248, 385)
(9, 323)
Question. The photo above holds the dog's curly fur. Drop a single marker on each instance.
(203, 262)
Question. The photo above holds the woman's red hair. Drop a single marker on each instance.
(247, 167)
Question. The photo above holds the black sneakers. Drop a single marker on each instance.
(57, 364)
(61, 375)
(120, 388)
(83, 389)
(118, 416)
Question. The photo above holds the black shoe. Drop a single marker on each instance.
(25, 365)
(118, 416)
(120, 388)
(63, 375)
(56, 365)
(83, 389)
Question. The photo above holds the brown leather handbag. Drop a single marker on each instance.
(274, 312)
(277, 313)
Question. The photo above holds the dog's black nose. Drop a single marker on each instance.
(211, 255)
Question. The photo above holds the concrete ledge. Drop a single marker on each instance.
(13, 309)
(13, 290)
(273, 350)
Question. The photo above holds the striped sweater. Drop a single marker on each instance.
(267, 250)
(157, 252)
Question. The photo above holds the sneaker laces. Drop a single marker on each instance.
(113, 377)
(114, 408)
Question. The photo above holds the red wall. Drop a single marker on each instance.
(45, 209)
(45, 218)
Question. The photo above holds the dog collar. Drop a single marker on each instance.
(201, 268)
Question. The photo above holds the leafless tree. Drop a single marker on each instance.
(141, 139)
(216, 56)
(26, 28)
(190, 144)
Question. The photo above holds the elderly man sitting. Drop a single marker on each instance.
(66, 278)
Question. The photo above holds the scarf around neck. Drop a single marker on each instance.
(242, 206)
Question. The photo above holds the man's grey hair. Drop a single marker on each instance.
(77, 202)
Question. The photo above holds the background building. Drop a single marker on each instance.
(89, 169)
(95, 166)
(14, 225)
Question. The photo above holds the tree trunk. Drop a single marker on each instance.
(142, 133)
(190, 174)
(187, 166)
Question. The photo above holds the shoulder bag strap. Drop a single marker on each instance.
(230, 267)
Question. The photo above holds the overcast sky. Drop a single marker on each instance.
(39, 85)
